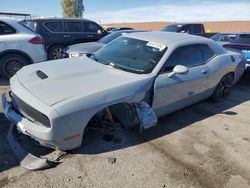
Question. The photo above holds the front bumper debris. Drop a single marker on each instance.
(26, 159)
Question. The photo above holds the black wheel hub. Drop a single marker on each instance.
(57, 53)
(224, 88)
(11, 66)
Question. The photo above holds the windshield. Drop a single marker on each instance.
(110, 37)
(131, 55)
(216, 37)
(243, 39)
(31, 25)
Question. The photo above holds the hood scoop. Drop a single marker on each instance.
(41, 75)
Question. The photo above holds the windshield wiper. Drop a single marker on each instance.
(92, 56)
(114, 66)
(124, 68)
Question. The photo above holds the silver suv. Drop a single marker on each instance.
(19, 46)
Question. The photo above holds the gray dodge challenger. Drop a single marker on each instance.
(133, 80)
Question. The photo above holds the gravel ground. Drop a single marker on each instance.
(205, 145)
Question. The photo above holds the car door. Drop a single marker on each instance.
(55, 33)
(172, 93)
(75, 31)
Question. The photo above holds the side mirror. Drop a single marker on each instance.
(178, 69)
(99, 32)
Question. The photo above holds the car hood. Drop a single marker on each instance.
(85, 47)
(56, 81)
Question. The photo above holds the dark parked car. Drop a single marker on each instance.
(242, 45)
(78, 50)
(192, 28)
(225, 38)
(59, 33)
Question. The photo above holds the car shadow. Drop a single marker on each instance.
(96, 142)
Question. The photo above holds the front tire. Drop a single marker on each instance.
(10, 64)
(223, 89)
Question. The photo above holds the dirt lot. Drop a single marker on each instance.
(205, 145)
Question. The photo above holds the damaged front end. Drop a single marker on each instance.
(26, 159)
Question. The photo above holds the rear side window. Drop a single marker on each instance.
(6, 29)
(189, 56)
(54, 26)
(74, 26)
(31, 25)
(186, 28)
(197, 29)
(246, 36)
(207, 52)
(91, 27)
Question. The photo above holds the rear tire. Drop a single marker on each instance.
(223, 89)
(10, 64)
(55, 52)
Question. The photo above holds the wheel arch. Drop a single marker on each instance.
(121, 104)
(233, 74)
(6, 52)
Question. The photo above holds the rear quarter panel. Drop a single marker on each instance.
(20, 42)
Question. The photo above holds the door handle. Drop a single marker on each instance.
(204, 71)
(66, 36)
(90, 35)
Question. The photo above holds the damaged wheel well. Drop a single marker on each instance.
(126, 115)
(122, 113)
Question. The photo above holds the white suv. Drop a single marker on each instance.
(19, 46)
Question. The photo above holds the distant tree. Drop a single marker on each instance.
(79, 7)
(72, 8)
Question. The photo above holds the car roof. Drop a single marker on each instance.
(129, 31)
(56, 19)
(163, 37)
(10, 20)
(234, 33)
(186, 24)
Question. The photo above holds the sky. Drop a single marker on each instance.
(115, 11)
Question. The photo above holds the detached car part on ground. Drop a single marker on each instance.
(133, 79)
(19, 46)
(81, 49)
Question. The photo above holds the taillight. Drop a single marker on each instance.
(36, 40)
